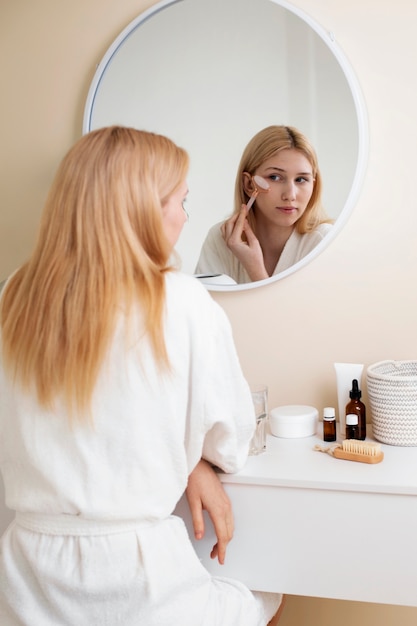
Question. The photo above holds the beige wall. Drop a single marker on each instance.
(356, 302)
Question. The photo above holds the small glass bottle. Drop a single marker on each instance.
(356, 406)
(329, 424)
(352, 428)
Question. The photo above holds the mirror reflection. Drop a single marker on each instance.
(210, 74)
(278, 216)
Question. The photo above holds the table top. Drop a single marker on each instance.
(294, 463)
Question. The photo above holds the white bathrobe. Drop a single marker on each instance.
(216, 257)
(94, 542)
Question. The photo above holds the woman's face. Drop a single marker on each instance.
(290, 177)
(174, 215)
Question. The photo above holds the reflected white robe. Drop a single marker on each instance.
(94, 542)
(217, 258)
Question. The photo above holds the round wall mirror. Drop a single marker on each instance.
(210, 74)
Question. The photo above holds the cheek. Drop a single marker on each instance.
(264, 204)
(306, 195)
(180, 218)
(174, 222)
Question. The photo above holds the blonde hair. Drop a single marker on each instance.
(265, 144)
(101, 244)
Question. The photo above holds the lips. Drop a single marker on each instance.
(286, 209)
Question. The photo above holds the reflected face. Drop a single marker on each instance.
(174, 215)
(290, 178)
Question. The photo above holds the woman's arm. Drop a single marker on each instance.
(248, 251)
(205, 493)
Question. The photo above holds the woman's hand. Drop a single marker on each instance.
(205, 493)
(248, 251)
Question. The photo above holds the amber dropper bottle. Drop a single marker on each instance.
(357, 407)
(329, 424)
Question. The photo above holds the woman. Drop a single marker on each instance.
(117, 375)
(285, 223)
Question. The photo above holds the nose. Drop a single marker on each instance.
(289, 190)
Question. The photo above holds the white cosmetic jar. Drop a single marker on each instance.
(294, 420)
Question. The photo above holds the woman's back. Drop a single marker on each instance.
(94, 541)
(133, 459)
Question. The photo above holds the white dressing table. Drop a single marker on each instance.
(309, 524)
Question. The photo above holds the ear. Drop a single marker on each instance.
(248, 184)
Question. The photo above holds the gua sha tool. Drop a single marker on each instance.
(261, 186)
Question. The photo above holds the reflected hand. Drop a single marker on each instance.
(205, 493)
(248, 251)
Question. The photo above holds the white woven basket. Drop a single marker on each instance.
(392, 391)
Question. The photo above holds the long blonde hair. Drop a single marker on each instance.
(266, 143)
(101, 244)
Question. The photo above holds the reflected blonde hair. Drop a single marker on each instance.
(263, 146)
(101, 245)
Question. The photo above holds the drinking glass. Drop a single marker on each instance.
(260, 403)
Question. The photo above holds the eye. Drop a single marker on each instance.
(275, 177)
(303, 179)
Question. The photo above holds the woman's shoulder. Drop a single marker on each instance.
(188, 297)
(214, 233)
(215, 228)
(314, 236)
(323, 229)
(186, 288)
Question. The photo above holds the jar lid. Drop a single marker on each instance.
(294, 413)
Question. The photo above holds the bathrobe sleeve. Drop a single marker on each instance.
(213, 402)
(217, 258)
(229, 412)
(213, 256)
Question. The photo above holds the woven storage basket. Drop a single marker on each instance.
(392, 391)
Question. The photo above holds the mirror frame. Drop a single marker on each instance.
(329, 40)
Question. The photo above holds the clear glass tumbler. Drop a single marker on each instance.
(260, 402)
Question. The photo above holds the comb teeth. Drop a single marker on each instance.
(368, 448)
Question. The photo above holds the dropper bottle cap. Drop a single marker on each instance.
(355, 393)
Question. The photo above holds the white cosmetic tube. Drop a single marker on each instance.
(345, 373)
